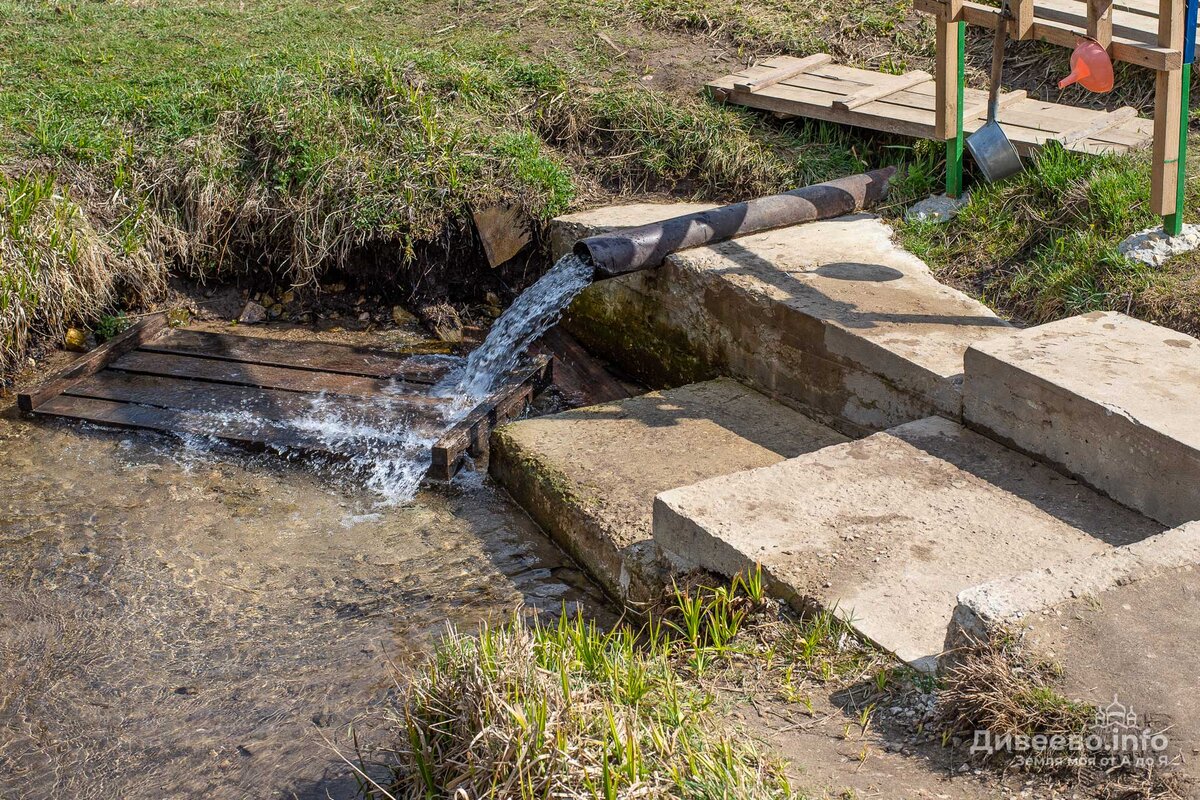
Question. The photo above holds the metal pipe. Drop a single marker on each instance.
(646, 246)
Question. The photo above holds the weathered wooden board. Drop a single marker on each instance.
(470, 435)
(270, 393)
(316, 356)
(906, 106)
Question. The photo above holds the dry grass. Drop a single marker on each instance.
(994, 687)
(56, 267)
(569, 710)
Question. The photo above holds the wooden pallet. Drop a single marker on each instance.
(246, 390)
(816, 88)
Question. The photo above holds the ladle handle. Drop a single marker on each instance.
(998, 61)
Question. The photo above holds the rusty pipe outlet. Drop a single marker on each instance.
(646, 246)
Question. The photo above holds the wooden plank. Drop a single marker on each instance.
(470, 434)
(1101, 123)
(139, 334)
(504, 231)
(881, 89)
(782, 73)
(576, 371)
(877, 116)
(979, 108)
(182, 394)
(313, 356)
(139, 417)
(243, 374)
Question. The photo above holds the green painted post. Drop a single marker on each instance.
(1173, 223)
(954, 147)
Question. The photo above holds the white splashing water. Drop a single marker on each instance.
(530, 315)
(371, 449)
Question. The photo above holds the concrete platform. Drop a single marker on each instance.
(829, 315)
(1121, 624)
(589, 476)
(1110, 399)
(890, 529)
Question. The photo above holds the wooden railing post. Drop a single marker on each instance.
(949, 76)
(1169, 119)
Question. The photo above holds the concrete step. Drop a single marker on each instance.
(829, 315)
(890, 529)
(1110, 399)
(589, 476)
(1121, 624)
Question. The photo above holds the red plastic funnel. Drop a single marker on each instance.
(1090, 68)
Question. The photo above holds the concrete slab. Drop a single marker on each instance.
(1110, 399)
(1138, 645)
(992, 607)
(589, 476)
(830, 315)
(889, 529)
(1120, 624)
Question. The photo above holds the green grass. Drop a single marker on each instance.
(275, 142)
(567, 709)
(1043, 245)
(282, 140)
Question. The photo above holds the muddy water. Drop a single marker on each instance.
(176, 623)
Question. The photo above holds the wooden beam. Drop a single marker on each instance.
(1021, 24)
(1100, 21)
(783, 73)
(92, 362)
(1158, 57)
(470, 435)
(887, 85)
(945, 71)
(1164, 178)
(1101, 123)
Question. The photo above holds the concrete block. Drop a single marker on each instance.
(997, 605)
(1109, 399)
(888, 530)
(589, 476)
(830, 315)
(1121, 626)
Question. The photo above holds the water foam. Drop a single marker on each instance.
(365, 444)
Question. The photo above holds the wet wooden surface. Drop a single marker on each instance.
(271, 393)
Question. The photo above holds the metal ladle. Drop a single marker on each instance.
(990, 146)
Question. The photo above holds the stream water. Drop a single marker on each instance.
(392, 462)
(191, 621)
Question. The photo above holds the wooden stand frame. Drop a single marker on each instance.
(1130, 33)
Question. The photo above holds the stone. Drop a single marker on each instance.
(830, 315)
(1109, 399)
(589, 476)
(941, 508)
(401, 316)
(1154, 246)
(252, 314)
(76, 340)
(443, 321)
(275, 311)
(937, 208)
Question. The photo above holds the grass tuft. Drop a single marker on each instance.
(567, 709)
